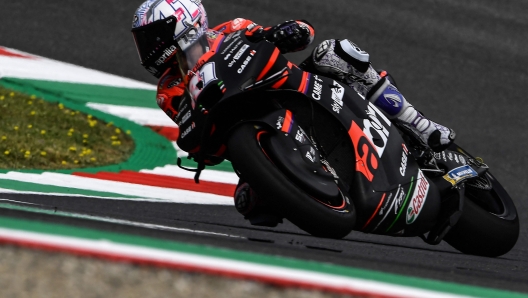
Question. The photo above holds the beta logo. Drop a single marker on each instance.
(418, 199)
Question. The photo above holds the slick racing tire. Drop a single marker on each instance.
(489, 225)
(252, 160)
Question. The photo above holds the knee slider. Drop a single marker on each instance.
(352, 54)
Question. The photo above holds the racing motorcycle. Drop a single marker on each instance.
(328, 160)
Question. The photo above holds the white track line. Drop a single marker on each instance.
(220, 265)
(130, 189)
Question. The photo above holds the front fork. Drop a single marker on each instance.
(450, 178)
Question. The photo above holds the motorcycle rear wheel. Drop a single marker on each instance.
(251, 159)
(489, 225)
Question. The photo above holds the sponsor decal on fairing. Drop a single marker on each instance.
(187, 130)
(310, 156)
(373, 124)
(185, 117)
(233, 36)
(337, 96)
(299, 136)
(317, 88)
(246, 61)
(396, 204)
(418, 198)
(238, 55)
(403, 166)
(279, 122)
(459, 174)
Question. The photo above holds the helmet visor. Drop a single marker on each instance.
(190, 51)
(153, 39)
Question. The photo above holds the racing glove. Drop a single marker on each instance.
(290, 36)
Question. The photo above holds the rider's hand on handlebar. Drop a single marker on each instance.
(288, 36)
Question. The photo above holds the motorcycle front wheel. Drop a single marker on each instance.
(489, 225)
(252, 159)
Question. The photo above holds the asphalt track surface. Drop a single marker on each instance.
(462, 64)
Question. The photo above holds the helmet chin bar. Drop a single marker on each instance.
(189, 37)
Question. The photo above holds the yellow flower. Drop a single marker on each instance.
(2, 97)
(43, 132)
(33, 113)
(85, 142)
(113, 137)
(15, 128)
(6, 152)
(81, 155)
(30, 126)
(70, 134)
(89, 116)
(85, 135)
(4, 138)
(72, 148)
(72, 113)
(61, 106)
(116, 143)
(71, 130)
(27, 152)
(30, 102)
(76, 161)
(12, 94)
(93, 159)
(33, 96)
(64, 162)
(43, 153)
(117, 131)
(128, 132)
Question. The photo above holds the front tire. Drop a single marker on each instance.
(251, 159)
(489, 225)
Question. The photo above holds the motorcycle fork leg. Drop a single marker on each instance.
(450, 212)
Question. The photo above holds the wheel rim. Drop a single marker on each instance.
(340, 203)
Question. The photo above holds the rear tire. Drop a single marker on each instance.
(252, 163)
(489, 225)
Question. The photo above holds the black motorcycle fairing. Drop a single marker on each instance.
(376, 155)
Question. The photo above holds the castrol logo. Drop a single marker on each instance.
(418, 199)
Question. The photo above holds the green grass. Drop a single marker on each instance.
(36, 134)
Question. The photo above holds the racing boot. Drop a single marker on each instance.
(346, 62)
(255, 210)
(388, 98)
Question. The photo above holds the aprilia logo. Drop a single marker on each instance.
(166, 54)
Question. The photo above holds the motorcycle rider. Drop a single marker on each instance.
(171, 37)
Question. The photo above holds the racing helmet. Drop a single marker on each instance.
(162, 28)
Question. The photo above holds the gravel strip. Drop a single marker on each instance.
(34, 273)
